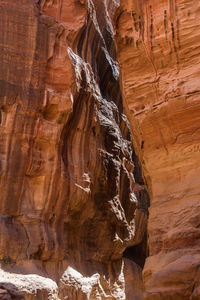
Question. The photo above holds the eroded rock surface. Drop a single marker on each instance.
(70, 204)
(73, 203)
(158, 52)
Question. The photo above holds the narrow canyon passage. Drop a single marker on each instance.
(99, 114)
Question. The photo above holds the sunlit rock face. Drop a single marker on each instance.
(158, 52)
(72, 194)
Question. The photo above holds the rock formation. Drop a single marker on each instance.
(158, 52)
(73, 173)
(72, 198)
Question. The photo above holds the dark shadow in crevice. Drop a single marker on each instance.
(10, 291)
(138, 253)
(137, 169)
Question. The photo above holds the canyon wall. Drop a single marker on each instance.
(158, 51)
(72, 194)
(73, 172)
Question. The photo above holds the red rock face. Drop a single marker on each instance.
(73, 198)
(35, 105)
(157, 46)
(73, 203)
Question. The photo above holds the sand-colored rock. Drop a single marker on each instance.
(70, 204)
(158, 52)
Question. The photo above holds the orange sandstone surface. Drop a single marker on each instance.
(72, 198)
(99, 118)
(158, 48)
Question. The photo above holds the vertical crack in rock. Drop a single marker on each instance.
(107, 207)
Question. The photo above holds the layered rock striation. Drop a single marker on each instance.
(72, 195)
(158, 52)
(73, 173)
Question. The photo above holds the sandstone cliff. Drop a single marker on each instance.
(73, 173)
(70, 204)
(158, 51)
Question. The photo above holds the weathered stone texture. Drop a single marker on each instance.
(70, 204)
(158, 51)
(74, 204)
